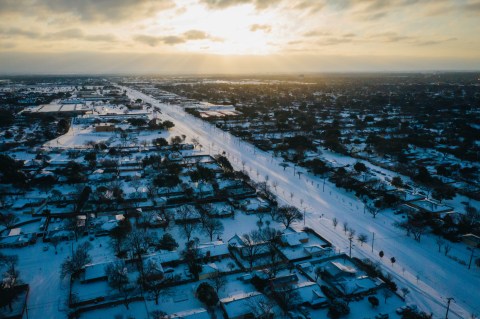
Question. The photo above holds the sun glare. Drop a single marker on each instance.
(230, 30)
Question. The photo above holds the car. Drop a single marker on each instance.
(382, 316)
(45, 248)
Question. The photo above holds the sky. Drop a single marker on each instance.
(237, 36)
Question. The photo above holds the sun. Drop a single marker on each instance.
(230, 30)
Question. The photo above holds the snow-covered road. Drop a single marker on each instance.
(431, 276)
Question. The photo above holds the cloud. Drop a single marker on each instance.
(195, 35)
(17, 32)
(87, 10)
(222, 4)
(67, 34)
(312, 6)
(191, 35)
(260, 27)
(435, 42)
(316, 33)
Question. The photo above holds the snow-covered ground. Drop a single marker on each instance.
(430, 275)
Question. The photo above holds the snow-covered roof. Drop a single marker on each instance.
(199, 313)
(216, 248)
(294, 239)
(237, 305)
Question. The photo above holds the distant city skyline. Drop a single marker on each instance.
(237, 36)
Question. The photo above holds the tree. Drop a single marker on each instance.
(393, 260)
(345, 227)
(72, 265)
(119, 235)
(373, 210)
(362, 239)
(138, 242)
(373, 301)
(207, 294)
(387, 293)
(192, 255)
(8, 220)
(188, 229)
(338, 308)
(288, 214)
(167, 242)
(440, 242)
(335, 222)
(117, 275)
(213, 227)
(381, 254)
(218, 281)
(397, 181)
(261, 307)
(447, 248)
(9, 279)
(54, 241)
(360, 167)
(168, 124)
(252, 246)
(405, 291)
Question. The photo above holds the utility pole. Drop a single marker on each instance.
(350, 239)
(449, 299)
(373, 240)
(471, 256)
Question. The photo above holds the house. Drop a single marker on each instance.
(214, 250)
(199, 313)
(471, 240)
(152, 265)
(242, 306)
(242, 245)
(94, 272)
(307, 293)
(336, 269)
(294, 238)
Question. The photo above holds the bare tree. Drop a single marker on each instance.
(213, 227)
(345, 227)
(72, 265)
(374, 211)
(260, 307)
(387, 293)
(288, 214)
(55, 241)
(138, 241)
(117, 274)
(335, 222)
(447, 248)
(440, 242)
(275, 185)
(252, 247)
(218, 281)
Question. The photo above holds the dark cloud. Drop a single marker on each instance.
(66, 34)
(260, 27)
(222, 4)
(86, 10)
(191, 35)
